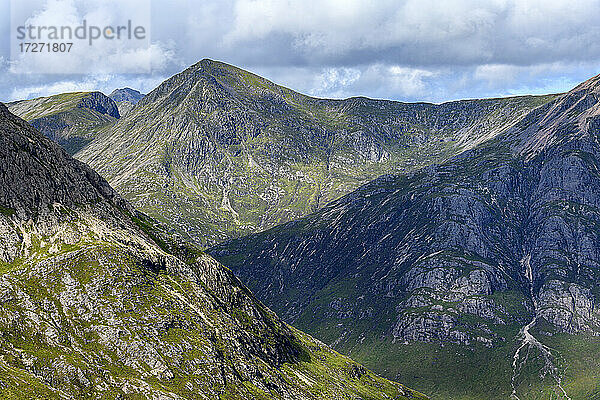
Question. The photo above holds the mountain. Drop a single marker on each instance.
(475, 278)
(218, 152)
(70, 119)
(126, 94)
(125, 99)
(100, 302)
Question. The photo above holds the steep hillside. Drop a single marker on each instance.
(219, 152)
(476, 278)
(70, 119)
(99, 303)
(125, 99)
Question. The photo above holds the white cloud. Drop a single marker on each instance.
(497, 73)
(406, 50)
(54, 88)
(334, 82)
(378, 80)
(409, 81)
(127, 55)
(103, 83)
(421, 32)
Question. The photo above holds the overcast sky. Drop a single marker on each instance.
(430, 50)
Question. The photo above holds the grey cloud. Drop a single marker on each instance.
(406, 50)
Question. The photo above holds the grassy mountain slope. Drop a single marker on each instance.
(219, 152)
(70, 119)
(98, 302)
(476, 278)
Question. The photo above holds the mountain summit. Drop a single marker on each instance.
(98, 301)
(125, 99)
(126, 94)
(490, 261)
(219, 152)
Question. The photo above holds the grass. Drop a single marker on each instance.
(6, 211)
(454, 372)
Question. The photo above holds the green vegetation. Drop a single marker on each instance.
(6, 211)
(47, 106)
(208, 336)
(481, 373)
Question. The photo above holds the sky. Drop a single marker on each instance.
(406, 50)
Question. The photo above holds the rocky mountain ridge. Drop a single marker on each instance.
(219, 152)
(70, 119)
(126, 99)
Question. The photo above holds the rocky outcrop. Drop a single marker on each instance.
(126, 94)
(53, 176)
(125, 99)
(99, 102)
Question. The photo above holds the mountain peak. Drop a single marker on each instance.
(126, 94)
(207, 63)
(213, 124)
(231, 75)
(592, 84)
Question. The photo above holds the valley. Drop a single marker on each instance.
(483, 251)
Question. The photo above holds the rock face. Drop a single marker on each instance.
(53, 176)
(126, 94)
(219, 152)
(125, 99)
(99, 302)
(70, 119)
(498, 245)
(99, 102)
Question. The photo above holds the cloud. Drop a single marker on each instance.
(497, 73)
(334, 82)
(422, 32)
(378, 80)
(407, 50)
(103, 83)
(102, 33)
(538, 78)
(409, 81)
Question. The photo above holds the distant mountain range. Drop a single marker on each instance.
(73, 119)
(219, 152)
(99, 301)
(125, 99)
(70, 119)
